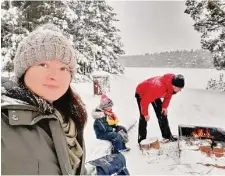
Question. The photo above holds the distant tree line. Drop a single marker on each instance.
(171, 59)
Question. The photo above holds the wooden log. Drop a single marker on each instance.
(155, 145)
(150, 143)
(145, 145)
(206, 149)
(218, 152)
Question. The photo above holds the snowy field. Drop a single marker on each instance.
(193, 106)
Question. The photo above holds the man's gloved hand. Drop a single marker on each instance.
(124, 136)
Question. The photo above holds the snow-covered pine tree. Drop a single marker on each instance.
(107, 37)
(21, 17)
(99, 42)
(12, 31)
(209, 17)
(81, 33)
(95, 39)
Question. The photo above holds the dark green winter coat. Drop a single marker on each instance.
(33, 144)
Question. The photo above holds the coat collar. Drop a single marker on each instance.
(20, 113)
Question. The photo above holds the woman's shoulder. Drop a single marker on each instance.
(6, 101)
(15, 104)
(17, 112)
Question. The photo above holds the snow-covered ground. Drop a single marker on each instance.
(193, 106)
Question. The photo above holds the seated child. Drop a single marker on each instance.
(106, 128)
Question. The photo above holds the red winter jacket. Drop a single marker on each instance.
(154, 88)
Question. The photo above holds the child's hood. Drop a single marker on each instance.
(98, 113)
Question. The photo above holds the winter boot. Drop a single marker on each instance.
(173, 138)
(127, 149)
(169, 139)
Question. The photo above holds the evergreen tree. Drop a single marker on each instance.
(12, 31)
(88, 24)
(209, 17)
(102, 21)
(99, 41)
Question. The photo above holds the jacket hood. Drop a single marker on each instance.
(98, 113)
(6, 85)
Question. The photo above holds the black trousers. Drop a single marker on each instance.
(162, 120)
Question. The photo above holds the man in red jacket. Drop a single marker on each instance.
(151, 91)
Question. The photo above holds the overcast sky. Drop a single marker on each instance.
(155, 26)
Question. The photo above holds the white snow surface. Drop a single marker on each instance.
(193, 106)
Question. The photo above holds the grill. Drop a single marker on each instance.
(210, 141)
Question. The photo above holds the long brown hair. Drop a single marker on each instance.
(71, 106)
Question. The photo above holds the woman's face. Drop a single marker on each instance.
(48, 79)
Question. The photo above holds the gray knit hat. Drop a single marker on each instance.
(45, 43)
